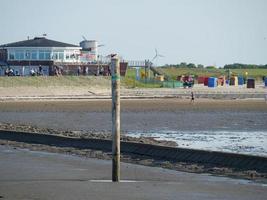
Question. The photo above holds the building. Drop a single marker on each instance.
(40, 55)
(48, 57)
(89, 52)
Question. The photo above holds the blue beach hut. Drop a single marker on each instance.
(240, 80)
(212, 82)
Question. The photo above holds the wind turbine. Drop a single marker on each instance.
(149, 64)
(157, 55)
(84, 38)
(98, 45)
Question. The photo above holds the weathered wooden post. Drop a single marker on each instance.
(115, 72)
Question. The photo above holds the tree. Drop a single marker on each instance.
(200, 66)
(191, 65)
(183, 65)
(210, 67)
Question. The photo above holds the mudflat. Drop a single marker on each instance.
(139, 114)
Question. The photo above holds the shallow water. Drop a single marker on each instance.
(252, 142)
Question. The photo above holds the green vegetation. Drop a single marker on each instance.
(130, 80)
(229, 66)
(132, 83)
(74, 81)
(254, 71)
(173, 72)
(244, 66)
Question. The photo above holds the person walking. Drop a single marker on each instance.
(192, 97)
(79, 71)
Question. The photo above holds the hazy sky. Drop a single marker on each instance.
(199, 31)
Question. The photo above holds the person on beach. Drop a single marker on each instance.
(32, 72)
(192, 97)
(79, 71)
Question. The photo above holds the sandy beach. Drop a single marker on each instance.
(103, 90)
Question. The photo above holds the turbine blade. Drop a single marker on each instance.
(84, 37)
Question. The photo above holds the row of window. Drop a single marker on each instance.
(41, 55)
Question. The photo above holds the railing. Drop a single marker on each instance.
(136, 63)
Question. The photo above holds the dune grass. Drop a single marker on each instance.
(50, 81)
(174, 72)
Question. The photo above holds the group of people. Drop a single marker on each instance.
(100, 71)
(9, 72)
(58, 71)
(38, 72)
(33, 72)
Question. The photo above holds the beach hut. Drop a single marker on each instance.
(200, 80)
(206, 81)
(180, 78)
(221, 81)
(234, 81)
(240, 80)
(212, 82)
(251, 83)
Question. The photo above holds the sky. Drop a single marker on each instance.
(208, 32)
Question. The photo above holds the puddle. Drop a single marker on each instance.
(245, 142)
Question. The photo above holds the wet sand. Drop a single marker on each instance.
(39, 175)
(139, 115)
(135, 105)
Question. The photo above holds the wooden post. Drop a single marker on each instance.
(115, 72)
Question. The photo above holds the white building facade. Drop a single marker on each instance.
(38, 54)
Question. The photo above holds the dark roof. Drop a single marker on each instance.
(38, 42)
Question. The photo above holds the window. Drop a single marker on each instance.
(19, 55)
(71, 55)
(61, 56)
(47, 55)
(55, 55)
(34, 55)
(67, 56)
(58, 55)
(27, 55)
(44, 55)
(11, 55)
(41, 55)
